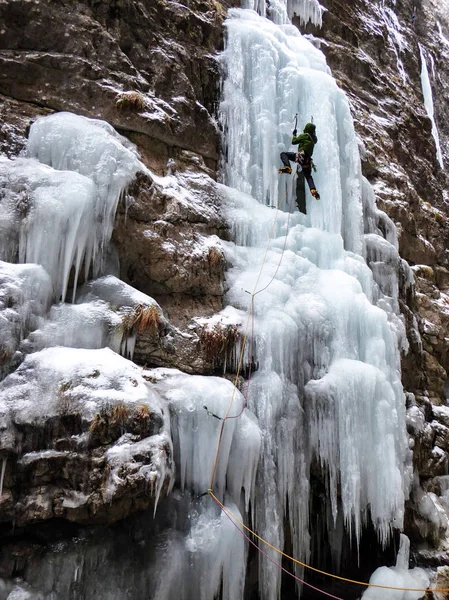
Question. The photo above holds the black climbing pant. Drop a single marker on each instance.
(286, 157)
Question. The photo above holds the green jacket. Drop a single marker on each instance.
(306, 141)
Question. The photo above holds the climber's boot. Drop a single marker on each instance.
(315, 194)
(286, 170)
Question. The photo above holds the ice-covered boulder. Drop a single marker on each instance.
(399, 576)
(83, 435)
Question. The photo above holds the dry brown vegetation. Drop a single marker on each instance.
(219, 342)
(143, 318)
(113, 421)
(214, 256)
(132, 100)
(5, 355)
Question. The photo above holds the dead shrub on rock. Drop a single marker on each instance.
(5, 355)
(219, 342)
(109, 424)
(143, 318)
(142, 417)
(130, 100)
(215, 257)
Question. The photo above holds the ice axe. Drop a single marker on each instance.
(296, 122)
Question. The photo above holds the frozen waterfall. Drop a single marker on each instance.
(329, 383)
(428, 103)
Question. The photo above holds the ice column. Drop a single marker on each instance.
(428, 103)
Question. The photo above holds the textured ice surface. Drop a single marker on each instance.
(96, 321)
(281, 11)
(399, 576)
(88, 325)
(358, 397)
(428, 103)
(48, 218)
(195, 434)
(25, 294)
(272, 72)
(98, 164)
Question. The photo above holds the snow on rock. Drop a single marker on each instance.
(398, 576)
(25, 293)
(188, 196)
(115, 292)
(109, 313)
(91, 420)
(87, 325)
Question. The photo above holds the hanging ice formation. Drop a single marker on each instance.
(68, 205)
(281, 11)
(428, 103)
(329, 383)
(61, 215)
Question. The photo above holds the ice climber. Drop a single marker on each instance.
(306, 142)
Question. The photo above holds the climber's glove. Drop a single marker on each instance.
(295, 131)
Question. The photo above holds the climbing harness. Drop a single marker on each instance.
(300, 158)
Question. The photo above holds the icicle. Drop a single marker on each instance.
(2, 476)
(428, 103)
(73, 208)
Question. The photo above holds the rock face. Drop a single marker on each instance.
(149, 70)
(82, 58)
(83, 437)
(380, 73)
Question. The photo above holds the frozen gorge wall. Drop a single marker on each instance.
(327, 334)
